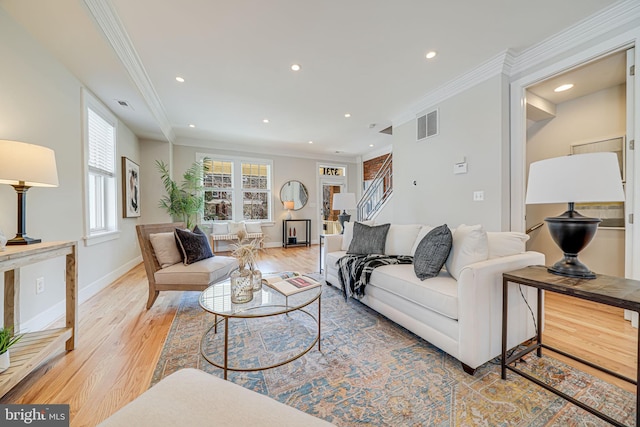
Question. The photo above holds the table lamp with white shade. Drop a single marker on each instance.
(344, 201)
(580, 178)
(289, 205)
(24, 166)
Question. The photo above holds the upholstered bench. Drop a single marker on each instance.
(228, 231)
(191, 397)
(165, 272)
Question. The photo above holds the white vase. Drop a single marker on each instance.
(4, 361)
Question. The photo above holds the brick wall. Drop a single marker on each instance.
(371, 167)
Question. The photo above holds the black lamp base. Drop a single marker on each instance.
(572, 232)
(22, 240)
(343, 217)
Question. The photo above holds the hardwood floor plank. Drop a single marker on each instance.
(119, 341)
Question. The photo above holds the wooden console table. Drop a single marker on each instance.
(613, 291)
(35, 347)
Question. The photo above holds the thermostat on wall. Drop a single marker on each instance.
(459, 168)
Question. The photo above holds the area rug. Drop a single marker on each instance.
(372, 372)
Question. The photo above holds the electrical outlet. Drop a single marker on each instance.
(39, 285)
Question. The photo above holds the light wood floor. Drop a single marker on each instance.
(120, 341)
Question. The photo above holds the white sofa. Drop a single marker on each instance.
(462, 317)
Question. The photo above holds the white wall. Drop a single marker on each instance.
(41, 104)
(151, 188)
(472, 125)
(590, 118)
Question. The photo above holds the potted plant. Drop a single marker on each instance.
(7, 339)
(183, 200)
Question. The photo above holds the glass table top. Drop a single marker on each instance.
(216, 299)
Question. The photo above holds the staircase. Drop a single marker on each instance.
(377, 193)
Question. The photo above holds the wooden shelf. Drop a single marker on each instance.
(28, 353)
(35, 347)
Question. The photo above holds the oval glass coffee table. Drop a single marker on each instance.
(267, 304)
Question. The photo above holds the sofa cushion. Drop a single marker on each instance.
(506, 243)
(199, 273)
(165, 248)
(368, 239)
(347, 234)
(432, 252)
(469, 245)
(424, 230)
(439, 293)
(400, 239)
(194, 245)
(220, 228)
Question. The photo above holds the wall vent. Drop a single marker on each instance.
(427, 125)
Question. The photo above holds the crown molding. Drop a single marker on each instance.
(511, 63)
(588, 29)
(500, 63)
(109, 22)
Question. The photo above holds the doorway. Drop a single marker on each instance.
(329, 216)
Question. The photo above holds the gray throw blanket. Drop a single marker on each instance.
(354, 271)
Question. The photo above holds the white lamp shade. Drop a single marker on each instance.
(27, 164)
(344, 201)
(290, 205)
(592, 177)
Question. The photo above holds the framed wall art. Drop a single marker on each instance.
(130, 188)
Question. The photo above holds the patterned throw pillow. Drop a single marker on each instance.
(368, 240)
(432, 252)
(194, 245)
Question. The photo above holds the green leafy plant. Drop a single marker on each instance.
(184, 200)
(7, 339)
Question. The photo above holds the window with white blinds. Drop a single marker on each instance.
(100, 148)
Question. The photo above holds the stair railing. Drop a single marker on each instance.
(377, 193)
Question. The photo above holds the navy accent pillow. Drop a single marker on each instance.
(368, 240)
(432, 252)
(194, 245)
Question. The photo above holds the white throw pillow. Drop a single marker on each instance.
(347, 236)
(220, 228)
(400, 239)
(470, 245)
(165, 248)
(253, 227)
(424, 230)
(505, 243)
(235, 227)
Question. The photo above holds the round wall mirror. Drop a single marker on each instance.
(296, 192)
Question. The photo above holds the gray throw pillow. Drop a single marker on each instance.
(368, 240)
(432, 252)
(194, 245)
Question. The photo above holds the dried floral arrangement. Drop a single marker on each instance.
(246, 250)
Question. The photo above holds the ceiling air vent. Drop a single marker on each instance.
(427, 125)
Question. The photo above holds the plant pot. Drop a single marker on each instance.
(4, 361)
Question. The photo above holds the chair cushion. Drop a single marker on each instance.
(165, 248)
(203, 272)
(194, 245)
(469, 245)
(505, 243)
(220, 228)
(253, 227)
(236, 227)
(368, 239)
(432, 252)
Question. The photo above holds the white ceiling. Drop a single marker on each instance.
(364, 57)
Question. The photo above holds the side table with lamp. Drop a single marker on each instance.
(344, 202)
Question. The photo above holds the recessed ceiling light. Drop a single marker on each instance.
(180, 79)
(265, 120)
(295, 67)
(310, 142)
(370, 145)
(431, 55)
(347, 115)
(563, 87)
(191, 125)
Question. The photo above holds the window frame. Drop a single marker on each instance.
(109, 182)
(237, 189)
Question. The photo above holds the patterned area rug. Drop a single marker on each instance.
(371, 372)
